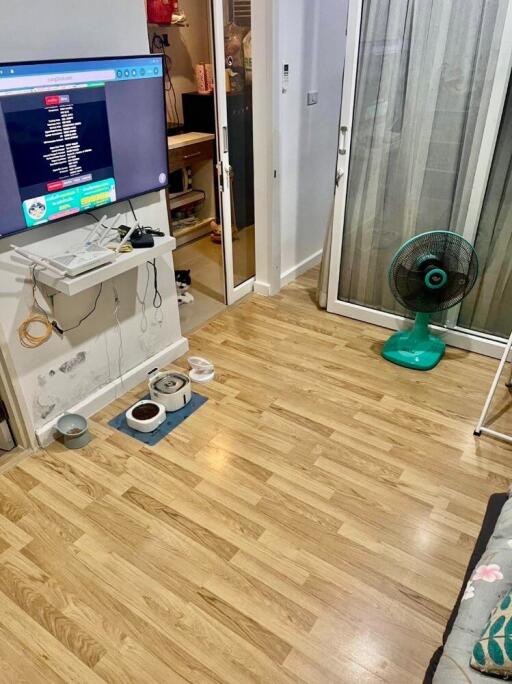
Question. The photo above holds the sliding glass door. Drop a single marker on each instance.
(424, 89)
(488, 309)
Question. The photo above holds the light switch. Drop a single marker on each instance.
(285, 77)
(313, 97)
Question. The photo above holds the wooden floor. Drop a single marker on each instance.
(310, 523)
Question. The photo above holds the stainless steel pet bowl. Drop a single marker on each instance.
(73, 429)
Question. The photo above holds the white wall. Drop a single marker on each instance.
(84, 365)
(72, 28)
(311, 38)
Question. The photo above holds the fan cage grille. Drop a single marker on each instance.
(437, 249)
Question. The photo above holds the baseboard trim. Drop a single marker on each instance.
(105, 395)
(262, 288)
(293, 273)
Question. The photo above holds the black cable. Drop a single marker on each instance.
(133, 210)
(145, 229)
(35, 283)
(157, 299)
(84, 318)
(158, 44)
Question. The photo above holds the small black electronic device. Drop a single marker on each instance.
(198, 112)
(140, 240)
(142, 237)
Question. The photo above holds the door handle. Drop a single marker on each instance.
(225, 138)
(343, 143)
(220, 175)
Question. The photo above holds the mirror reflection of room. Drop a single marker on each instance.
(194, 201)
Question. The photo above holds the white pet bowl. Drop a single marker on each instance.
(145, 416)
(202, 370)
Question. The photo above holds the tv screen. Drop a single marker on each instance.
(78, 135)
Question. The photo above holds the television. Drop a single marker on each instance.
(77, 135)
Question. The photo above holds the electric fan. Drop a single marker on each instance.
(430, 272)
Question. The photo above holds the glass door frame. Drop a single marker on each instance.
(233, 293)
(453, 335)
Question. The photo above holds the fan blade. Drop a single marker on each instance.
(407, 278)
(455, 288)
(408, 283)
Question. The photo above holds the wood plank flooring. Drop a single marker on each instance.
(310, 523)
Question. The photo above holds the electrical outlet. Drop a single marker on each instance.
(163, 39)
(312, 97)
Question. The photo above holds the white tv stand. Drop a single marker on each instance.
(88, 261)
(124, 262)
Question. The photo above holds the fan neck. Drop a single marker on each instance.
(420, 330)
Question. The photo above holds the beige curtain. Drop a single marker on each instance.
(489, 306)
(323, 277)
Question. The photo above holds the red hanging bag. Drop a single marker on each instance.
(161, 11)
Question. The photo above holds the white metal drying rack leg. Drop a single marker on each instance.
(480, 428)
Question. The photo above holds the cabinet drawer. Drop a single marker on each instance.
(184, 156)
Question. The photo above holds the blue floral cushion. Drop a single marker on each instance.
(492, 653)
(490, 583)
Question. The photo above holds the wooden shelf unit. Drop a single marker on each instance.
(186, 234)
(185, 199)
(197, 151)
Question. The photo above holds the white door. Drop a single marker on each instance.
(423, 96)
(233, 91)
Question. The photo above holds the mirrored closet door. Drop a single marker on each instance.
(233, 64)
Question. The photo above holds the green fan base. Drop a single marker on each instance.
(416, 348)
